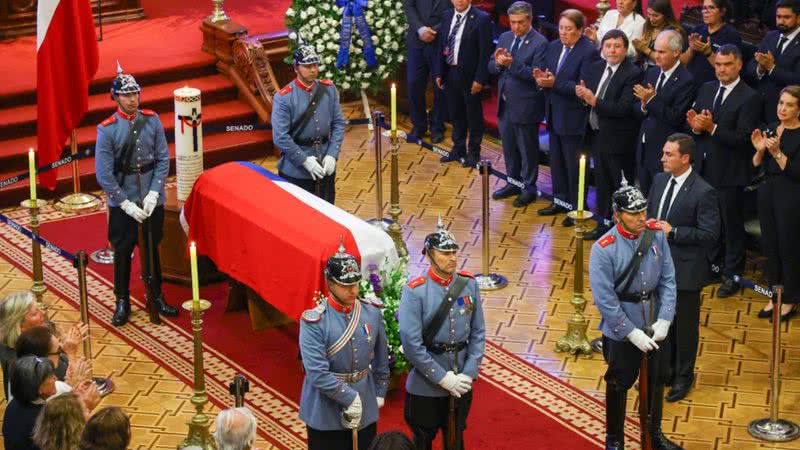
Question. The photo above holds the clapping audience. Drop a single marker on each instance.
(60, 423)
(108, 429)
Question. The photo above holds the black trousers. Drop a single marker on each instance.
(608, 170)
(340, 439)
(123, 234)
(624, 361)
(326, 186)
(419, 70)
(521, 151)
(427, 415)
(466, 114)
(730, 252)
(685, 336)
(779, 216)
(564, 166)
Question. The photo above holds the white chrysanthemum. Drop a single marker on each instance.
(326, 6)
(375, 39)
(345, 85)
(311, 10)
(293, 36)
(315, 30)
(290, 12)
(364, 84)
(394, 45)
(379, 51)
(303, 15)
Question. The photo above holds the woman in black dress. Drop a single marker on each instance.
(778, 149)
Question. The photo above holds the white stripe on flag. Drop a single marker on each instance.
(374, 244)
(44, 15)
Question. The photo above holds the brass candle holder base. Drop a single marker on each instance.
(79, 203)
(575, 341)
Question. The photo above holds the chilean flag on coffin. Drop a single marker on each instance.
(275, 237)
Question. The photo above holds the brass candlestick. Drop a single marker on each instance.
(38, 287)
(602, 8)
(218, 14)
(198, 426)
(394, 210)
(575, 340)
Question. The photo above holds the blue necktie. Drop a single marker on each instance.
(718, 100)
(515, 46)
(563, 58)
(451, 41)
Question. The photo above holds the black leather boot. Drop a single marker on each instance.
(615, 417)
(660, 441)
(164, 309)
(122, 312)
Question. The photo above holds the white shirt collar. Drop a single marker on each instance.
(463, 13)
(682, 178)
(732, 85)
(668, 73)
(791, 35)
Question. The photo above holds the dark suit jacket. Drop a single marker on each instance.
(475, 49)
(566, 113)
(666, 112)
(424, 13)
(524, 101)
(619, 126)
(785, 73)
(725, 158)
(695, 219)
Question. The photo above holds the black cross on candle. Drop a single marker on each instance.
(192, 121)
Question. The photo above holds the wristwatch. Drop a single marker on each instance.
(779, 156)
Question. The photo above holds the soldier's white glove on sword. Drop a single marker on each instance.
(464, 383)
(134, 211)
(660, 330)
(352, 414)
(149, 203)
(451, 383)
(641, 340)
(329, 164)
(314, 168)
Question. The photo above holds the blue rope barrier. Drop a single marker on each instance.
(66, 160)
(57, 250)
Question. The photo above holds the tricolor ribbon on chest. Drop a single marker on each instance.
(193, 121)
(354, 12)
(337, 346)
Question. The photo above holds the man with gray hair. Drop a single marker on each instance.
(665, 94)
(235, 430)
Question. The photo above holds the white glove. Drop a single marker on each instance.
(464, 383)
(329, 163)
(313, 167)
(134, 211)
(381, 401)
(641, 340)
(660, 330)
(149, 203)
(450, 383)
(352, 414)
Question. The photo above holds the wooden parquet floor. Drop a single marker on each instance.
(527, 317)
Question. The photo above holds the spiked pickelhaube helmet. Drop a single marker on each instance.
(628, 199)
(305, 53)
(124, 83)
(343, 268)
(441, 240)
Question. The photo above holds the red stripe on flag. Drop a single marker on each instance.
(263, 236)
(66, 62)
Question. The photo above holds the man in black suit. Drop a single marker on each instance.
(607, 87)
(722, 117)
(423, 41)
(462, 72)
(664, 97)
(776, 64)
(686, 207)
(566, 114)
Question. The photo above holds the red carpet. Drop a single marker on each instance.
(516, 405)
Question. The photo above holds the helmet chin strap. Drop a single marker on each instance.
(437, 267)
(336, 297)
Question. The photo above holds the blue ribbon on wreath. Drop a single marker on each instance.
(354, 12)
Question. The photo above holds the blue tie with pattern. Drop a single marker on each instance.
(451, 41)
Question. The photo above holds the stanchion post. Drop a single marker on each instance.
(105, 386)
(104, 255)
(77, 201)
(394, 229)
(198, 426)
(575, 341)
(773, 428)
(379, 220)
(487, 281)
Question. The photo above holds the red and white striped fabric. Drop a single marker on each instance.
(275, 237)
(66, 61)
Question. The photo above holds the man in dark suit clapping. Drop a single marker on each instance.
(607, 87)
(776, 64)
(423, 41)
(520, 107)
(665, 95)
(722, 117)
(686, 207)
(566, 114)
(461, 71)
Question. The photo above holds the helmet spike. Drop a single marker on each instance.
(119, 69)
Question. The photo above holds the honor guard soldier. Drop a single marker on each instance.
(443, 335)
(633, 282)
(132, 163)
(346, 360)
(308, 127)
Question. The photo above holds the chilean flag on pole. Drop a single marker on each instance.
(66, 61)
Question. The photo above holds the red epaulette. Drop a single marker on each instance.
(324, 81)
(419, 281)
(286, 89)
(109, 121)
(464, 273)
(148, 112)
(653, 224)
(606, 241)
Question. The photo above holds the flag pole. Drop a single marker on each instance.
(77, 201)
